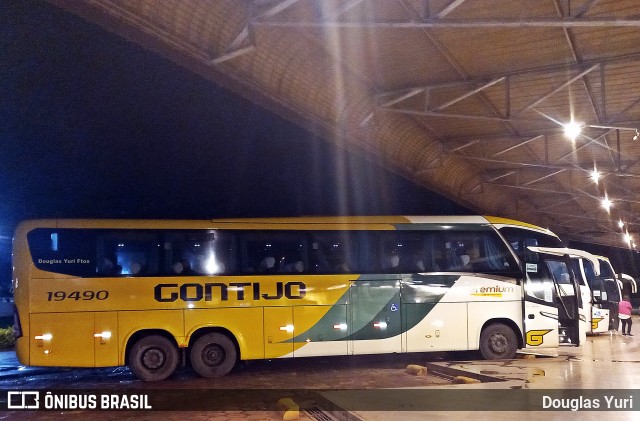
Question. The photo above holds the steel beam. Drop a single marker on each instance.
(342, 9)
(559, 88)
(274, 10)
(449, 8)
(450, 23)
(516, 146)
(468, 94)
(543, 177)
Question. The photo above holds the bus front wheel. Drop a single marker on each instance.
(153, 358)
(213, 355)
(498, 342)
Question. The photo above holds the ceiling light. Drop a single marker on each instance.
(627, 238)
(606, 203)
(572, 130)
(620, 223)
(595, 175)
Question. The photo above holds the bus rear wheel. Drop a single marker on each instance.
(153, 358)
(213, 355)
(498, 342)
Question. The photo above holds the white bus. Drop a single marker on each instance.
(606, 293)
(597, 315)
(572, 311)
(627, 284)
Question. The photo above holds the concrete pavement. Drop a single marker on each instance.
(607, 365)
(607, 362)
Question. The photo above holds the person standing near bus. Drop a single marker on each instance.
(624, 313)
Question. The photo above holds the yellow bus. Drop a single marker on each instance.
(152, 293)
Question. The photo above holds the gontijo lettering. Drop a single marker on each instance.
(210, 291)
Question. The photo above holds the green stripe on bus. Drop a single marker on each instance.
(375, 308)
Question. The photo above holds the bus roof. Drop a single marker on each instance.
(319, 222)
(499, 222)
(605, 258)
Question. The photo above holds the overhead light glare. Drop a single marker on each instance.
(595, 175)
(606, 203)
(628, 238)
(620, 223)
(637, 135)
(572, 130)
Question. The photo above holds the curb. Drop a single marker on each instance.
(451, 372)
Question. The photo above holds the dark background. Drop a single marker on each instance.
(92, 126)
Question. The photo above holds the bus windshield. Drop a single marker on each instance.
(605, 269)
(520, 239)
(575, 265)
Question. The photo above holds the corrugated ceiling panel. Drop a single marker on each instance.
(499, 50)
(331, 77)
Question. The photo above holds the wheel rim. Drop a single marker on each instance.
(499, 343)
(213, 355)
(153, 358)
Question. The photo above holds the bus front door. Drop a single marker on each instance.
(612, 290)
(551, 304)
(568, 301)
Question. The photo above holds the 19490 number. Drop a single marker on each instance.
(77, 295)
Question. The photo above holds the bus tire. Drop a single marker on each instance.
(498, 342)
(213, 355)
(153, 358)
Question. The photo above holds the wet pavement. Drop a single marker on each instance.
(264, 382)
(343, 372)
(377, 387)
(606, 365)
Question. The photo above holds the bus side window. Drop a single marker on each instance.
(201, 252)
(108, 264)
(433, 252)
(274, 252)
(318, 258)
(65, 251)
(253, 251)
(291, 253)
(477, 252)
(404, 252)
(128, 253)
(365, 254)
(331, 252)
(456, 256)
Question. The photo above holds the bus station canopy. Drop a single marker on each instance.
(470, 99)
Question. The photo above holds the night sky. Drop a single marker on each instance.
(94, 126)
